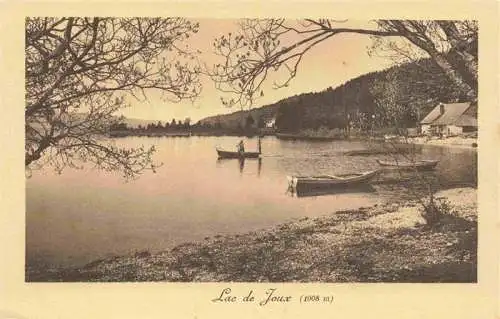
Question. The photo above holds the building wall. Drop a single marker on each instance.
(453, 130)
(468, 129)
(425, 129)
(271, 123)
(441, 129)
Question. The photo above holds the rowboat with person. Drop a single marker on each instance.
(240, 152)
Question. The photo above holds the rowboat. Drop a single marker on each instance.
(320, 181)
(368, 152)
(422, 164)
(228, 154)
(232, 154)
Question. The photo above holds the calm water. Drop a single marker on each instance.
(83, 215)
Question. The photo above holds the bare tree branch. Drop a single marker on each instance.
(78, 71)
(262, 45)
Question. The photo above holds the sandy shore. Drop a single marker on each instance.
(459, 142)
(383, 243)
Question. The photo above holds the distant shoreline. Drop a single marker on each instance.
(455, 142)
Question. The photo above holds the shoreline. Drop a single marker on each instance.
(454, 142)
(382, 243)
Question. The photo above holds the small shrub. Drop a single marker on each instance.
(436, 210)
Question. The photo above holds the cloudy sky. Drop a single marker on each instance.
(330, 63)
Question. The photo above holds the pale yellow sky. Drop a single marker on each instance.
(330, 63)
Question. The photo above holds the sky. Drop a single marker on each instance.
(329, 64)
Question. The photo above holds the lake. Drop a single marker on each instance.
(83, 215)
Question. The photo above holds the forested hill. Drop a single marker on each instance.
(398, 96)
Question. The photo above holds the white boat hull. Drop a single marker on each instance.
(330, 181)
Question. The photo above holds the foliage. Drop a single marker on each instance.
(249, 122)
(187, 122)
(398, 96)
(261, 123)
(289, 117)
(391, 106)
(420, 185)
(265, 45)
(79, 72)
(435, 210)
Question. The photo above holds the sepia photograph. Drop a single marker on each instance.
(261, 150)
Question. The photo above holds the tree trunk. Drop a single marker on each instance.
(426, 44)
(459, 46)
(454, 76)
(466, 66)
(470, 63)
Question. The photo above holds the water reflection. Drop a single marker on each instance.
(301, 192)
(83, 215)
(240, 162)
(456, 166)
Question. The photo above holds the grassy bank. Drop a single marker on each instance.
(383, 243)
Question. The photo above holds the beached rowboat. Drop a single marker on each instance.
(343, 180)
(422, 164)
(368, 152)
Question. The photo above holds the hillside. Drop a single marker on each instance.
(398, 96)
(232, 120)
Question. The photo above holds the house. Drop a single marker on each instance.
(270, 123)
(450, 119)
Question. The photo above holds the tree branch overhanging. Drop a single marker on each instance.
(270, 44)
(78, 71)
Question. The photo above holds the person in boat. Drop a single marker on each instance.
(241, 147)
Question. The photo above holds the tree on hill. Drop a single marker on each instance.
(289, 117)
(187, 122)
(418, 86)
(249, 121)
(389, 100)
(264, 45)
(118, 127)
(173, 124)
(79, 72)
(261, 123)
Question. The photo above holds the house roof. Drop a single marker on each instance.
(466, 120)
(453, 112)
